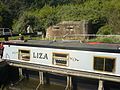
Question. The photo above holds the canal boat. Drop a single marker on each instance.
(92, 60)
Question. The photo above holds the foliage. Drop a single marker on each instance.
(106, 39)
(38, 19)
(112, 11)
(48, 15)
(40, 14)
(105, 30)
(3, 14)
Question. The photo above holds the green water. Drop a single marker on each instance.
(32, 84)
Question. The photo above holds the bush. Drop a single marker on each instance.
(106, 39)
(38, 19)
(103, 14)
(105, 30)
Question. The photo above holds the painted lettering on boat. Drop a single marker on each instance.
(40, 55)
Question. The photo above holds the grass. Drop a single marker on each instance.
(106, 39)
(25, 37)
(97, 39)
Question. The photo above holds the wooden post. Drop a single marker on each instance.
(41, 80)
(100, 87)
(20, 74)
(69, 83)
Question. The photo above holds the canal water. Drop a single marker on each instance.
(58, 82)
(53, 82)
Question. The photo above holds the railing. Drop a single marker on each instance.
(87, 35)
(64, 71)
(83, 37)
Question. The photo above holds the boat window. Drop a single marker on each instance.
(109, 64)
(104, 64)
(60, 59)
(24, 55)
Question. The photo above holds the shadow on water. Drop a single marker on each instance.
(8, 74)
(32, 83)
(56, 81)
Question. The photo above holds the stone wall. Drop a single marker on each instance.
(68, 29)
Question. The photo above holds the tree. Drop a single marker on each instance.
(4, 16)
